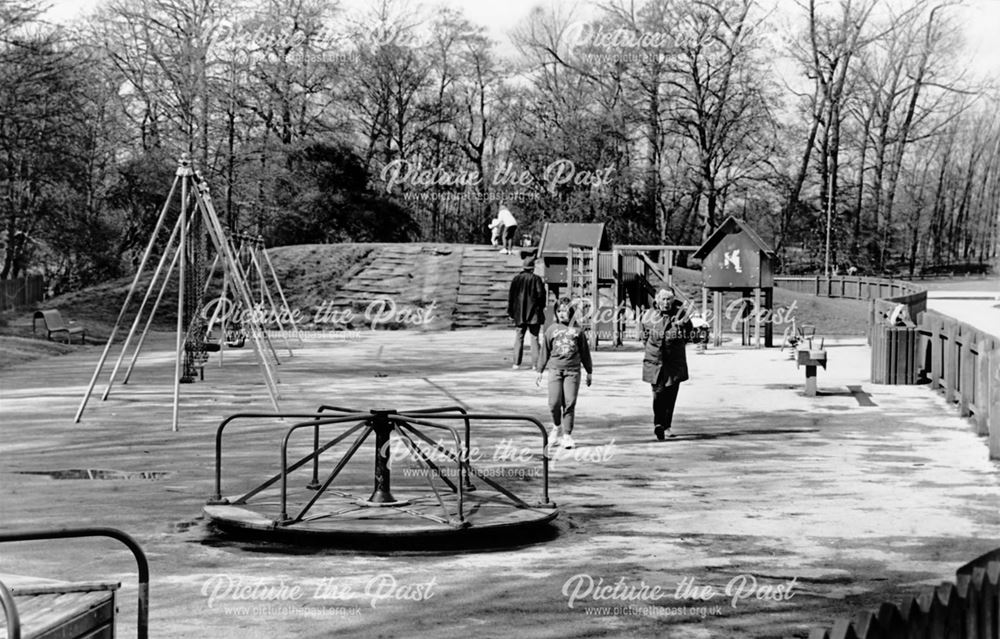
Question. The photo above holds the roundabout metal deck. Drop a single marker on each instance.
(456, 501)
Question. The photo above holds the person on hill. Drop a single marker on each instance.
(496, 230)
(664, 362)
(509, 223)
(526, 308)
(564, 350)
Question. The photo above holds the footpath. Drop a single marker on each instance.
(768, 514)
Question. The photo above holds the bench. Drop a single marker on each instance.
(54, 323)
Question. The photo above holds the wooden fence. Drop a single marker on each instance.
(964, 362)
(966, 609)
(21, 292)
(958, 359)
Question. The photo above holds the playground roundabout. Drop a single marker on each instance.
(449, 509)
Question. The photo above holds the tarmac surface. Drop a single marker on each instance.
(769, 513)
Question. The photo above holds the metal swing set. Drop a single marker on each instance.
(196, 226)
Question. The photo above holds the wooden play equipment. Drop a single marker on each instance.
(197, 226)
(612, 284)
(734, 258)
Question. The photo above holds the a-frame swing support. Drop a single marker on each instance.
(194, 202)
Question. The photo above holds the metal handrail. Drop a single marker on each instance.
(545, 438)
(217, 496)
(284, 450)
(142, 624)
(10, 613)
(458, 446)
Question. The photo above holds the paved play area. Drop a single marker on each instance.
(769, 513)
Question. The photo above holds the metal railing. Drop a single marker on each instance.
(403, 422)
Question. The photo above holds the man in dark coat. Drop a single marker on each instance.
(526, 307)
(664, 362)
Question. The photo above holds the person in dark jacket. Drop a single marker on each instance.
(664, 362)
(526, 307)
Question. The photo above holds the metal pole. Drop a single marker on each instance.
(281, 294)
(128, 298)
(239, 284)
(181, 247)
(225, 296)
(142, 307)
(149, 321)
(267, 293)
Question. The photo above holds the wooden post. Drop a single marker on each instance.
(756, 316)
(769, 326)
(569, 273)
(870, 333)
(745, 317)
(950, 360)
(982, 391)
(595, 297)
(616, 274)
(993, 398)
(965, 374)
(717, 317)
(936, 353)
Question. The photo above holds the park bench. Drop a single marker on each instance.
(54, 323)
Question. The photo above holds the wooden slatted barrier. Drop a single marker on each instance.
(966, 609)
(965, 363)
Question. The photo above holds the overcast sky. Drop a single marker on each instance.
(980, 20)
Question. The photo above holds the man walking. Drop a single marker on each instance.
(526, 308)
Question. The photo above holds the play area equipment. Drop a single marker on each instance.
(46, 608)
(450, 507)
(806, 355)
(612, 283)
(734, 258)
(197, 226)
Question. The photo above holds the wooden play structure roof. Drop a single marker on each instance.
(557, 236)
(730, 226)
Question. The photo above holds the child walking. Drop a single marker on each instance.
(564, 349)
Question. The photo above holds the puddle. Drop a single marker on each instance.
(94, 473)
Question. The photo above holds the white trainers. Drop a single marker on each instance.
(503, 251)
(515, 367)
(554, 437)
(567, 441)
